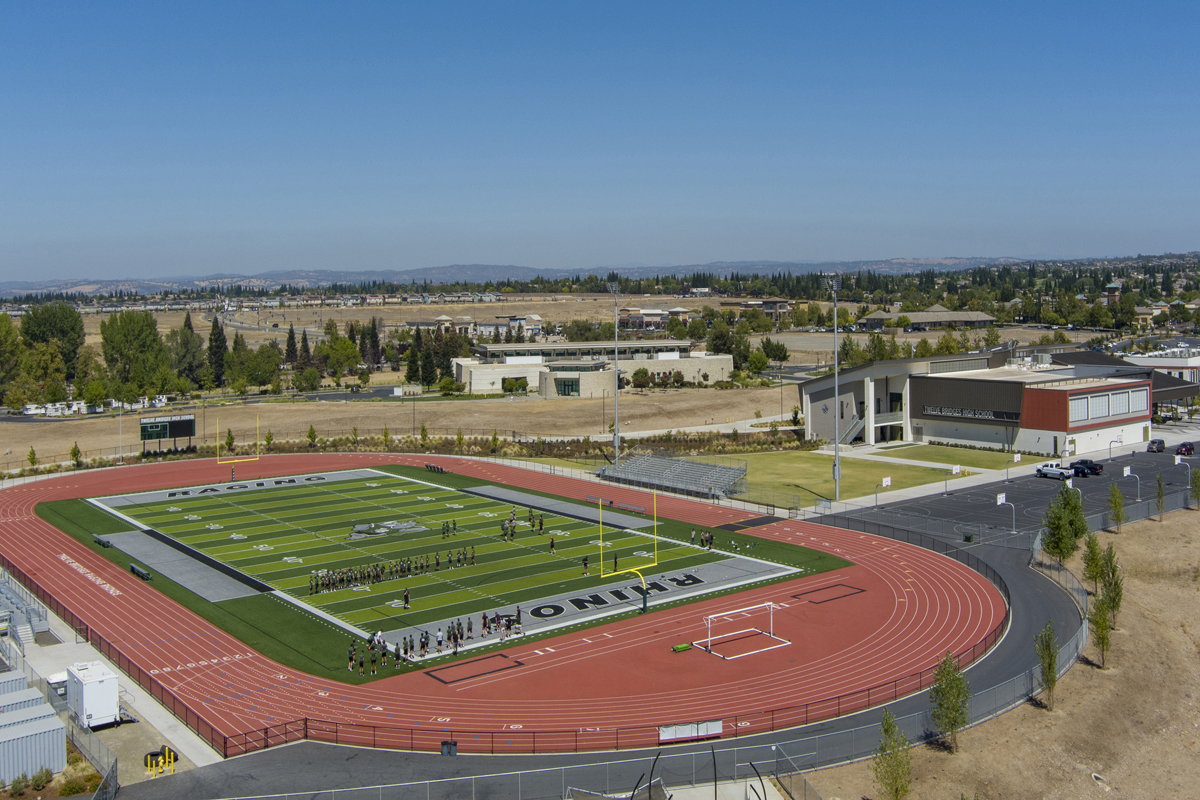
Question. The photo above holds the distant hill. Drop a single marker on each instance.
(479, 273)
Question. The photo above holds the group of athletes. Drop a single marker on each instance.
(375, 651)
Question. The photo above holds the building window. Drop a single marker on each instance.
(1138, 400)
(1078, 409)
(1098, 406)
(567, 387)
(1120, 403)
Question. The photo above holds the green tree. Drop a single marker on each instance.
(340, 356)
(903, 321)
(412, 370)
(1065, 524)
(424, 435)
(949, 695)
(795, 416)
(992, 337)
(428, 367)
(387, 438)
(720, 338)
(697, 329)
(312, 436)
(133, 350)
(641, 378)
(892, 762)
(308, 381)
(364, 378)
(758, 362)
(774, 351)
(1112, 585)
(923, 349)
(269, 440)
(44, 366)
(946, 345)
(229, 440)
(1045, 645)
(32, 457)
(1100, 624)
(304, 356)
(1093, 561)
(1116, 506)
(1160, 497)
(354, 434)
(56, 322)
(458, 439)
(1194, 485)
(290, 351)
(217, 348)
(495, 440)
(185, 349)
(10, 351)
(75, 455)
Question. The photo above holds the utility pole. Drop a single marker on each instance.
(834, 282)
(616, 373)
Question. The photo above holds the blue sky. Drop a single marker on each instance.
(169, 138)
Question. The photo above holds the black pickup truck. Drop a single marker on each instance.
(1085, 467)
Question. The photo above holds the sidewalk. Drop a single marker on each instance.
(49, 659)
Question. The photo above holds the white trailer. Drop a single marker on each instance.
(93, 696)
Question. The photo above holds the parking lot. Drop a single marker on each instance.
(962, 511)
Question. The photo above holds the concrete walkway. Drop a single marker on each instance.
(49, 659)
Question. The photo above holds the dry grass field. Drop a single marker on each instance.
(658, 410)
(257, 326)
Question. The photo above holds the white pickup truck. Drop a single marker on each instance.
(1055, 469)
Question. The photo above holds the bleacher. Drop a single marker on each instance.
(27, 616)
(704, 477)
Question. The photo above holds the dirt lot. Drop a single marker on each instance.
(658, 410)
(1135, 724)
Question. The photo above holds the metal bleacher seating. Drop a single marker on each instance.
(709, 477)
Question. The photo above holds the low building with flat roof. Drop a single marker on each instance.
(1008, 398)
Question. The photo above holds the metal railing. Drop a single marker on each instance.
(786, 761)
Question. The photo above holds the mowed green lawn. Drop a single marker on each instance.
(940, 454)
(810, 474)
(285, 536)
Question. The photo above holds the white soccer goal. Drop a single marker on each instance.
(748, 626)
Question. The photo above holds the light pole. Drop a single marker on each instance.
(615, 286)
(834, 282)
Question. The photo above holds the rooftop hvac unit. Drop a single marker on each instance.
(1042, 359)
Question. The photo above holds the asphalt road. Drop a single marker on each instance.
(304, 768)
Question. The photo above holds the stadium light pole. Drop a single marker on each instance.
(834, 282)
(615, 286)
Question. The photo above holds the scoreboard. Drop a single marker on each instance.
(179, 426)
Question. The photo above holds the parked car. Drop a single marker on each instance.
(1055, 469)
(1156, 446)
(1185, 449)
(1085, 467)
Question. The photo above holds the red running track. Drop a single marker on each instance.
(893, 613)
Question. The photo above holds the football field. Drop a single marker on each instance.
(289, 536)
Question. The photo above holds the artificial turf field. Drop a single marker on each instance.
(283, 536)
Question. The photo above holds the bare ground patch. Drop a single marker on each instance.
(657, 410)
(1136, 724)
